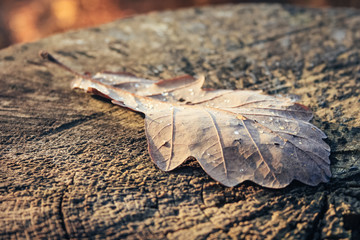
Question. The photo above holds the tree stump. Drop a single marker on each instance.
(75, 166)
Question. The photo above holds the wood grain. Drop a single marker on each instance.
(75, 166)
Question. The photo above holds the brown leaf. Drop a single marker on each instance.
(236, 135)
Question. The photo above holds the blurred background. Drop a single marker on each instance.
(29, 20)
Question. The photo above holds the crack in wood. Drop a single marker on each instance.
(318, 222)
(281, 35)
(71, 124)
(61, 209)
(61, 214)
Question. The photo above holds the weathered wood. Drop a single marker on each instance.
(74, 166)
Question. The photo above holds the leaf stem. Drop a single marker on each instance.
(47, 56)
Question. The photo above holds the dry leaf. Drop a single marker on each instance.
(235, 135)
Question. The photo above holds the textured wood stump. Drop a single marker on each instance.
(75, 166)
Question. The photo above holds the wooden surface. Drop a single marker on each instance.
(75, 166)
